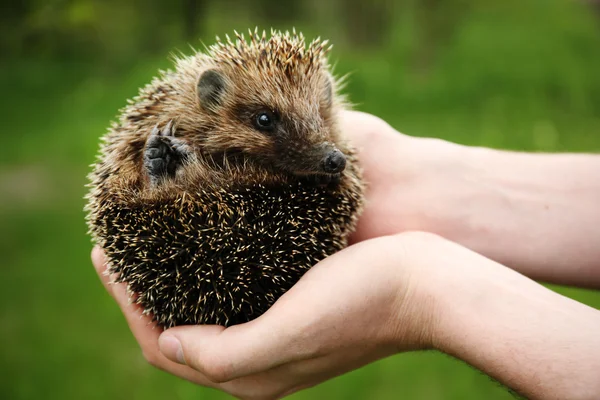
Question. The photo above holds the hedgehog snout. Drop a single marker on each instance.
(334, 162)
(312, 160)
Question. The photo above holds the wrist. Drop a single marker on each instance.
(517, 331)
(419, 291)
(450, 289)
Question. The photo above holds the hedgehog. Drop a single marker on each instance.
(225, 180)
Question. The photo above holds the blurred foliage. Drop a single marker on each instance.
(518, 74)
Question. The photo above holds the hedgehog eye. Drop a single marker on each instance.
(264, 121)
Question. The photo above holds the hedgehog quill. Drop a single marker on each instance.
(225, 180)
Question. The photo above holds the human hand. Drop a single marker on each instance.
(413, 184)
(352, 308)
(377, 298)
(536, 213)
(318, 329)
(390, 294)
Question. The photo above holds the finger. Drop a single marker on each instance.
(98, 259)
(99, 262)
(238, 351)
(226, 354)
(132, 312)
(142, 327)
(147, 333)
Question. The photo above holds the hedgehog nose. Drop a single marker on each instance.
(334, 162)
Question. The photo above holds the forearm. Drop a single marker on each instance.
(537, 213)
(535, 341)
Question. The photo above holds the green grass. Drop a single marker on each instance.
(63, 337)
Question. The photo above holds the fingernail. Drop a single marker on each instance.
(171, 348)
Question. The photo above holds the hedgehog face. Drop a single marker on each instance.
(274, 103)
(285, 123)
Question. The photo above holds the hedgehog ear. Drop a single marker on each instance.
(210, 89)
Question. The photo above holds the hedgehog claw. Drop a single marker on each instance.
(163, 154)
(167, 131)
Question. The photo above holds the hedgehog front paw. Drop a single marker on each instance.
(163, 153)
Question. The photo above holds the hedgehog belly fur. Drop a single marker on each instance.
(221, 257)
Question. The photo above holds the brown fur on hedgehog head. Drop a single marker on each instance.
(272, 100)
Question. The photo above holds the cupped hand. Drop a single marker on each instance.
(353, 308)
(387, 294)
(413, 184)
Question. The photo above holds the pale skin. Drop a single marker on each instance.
(398, 290)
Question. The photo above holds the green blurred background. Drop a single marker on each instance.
(518, 74)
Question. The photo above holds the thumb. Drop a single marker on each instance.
(222, 354)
